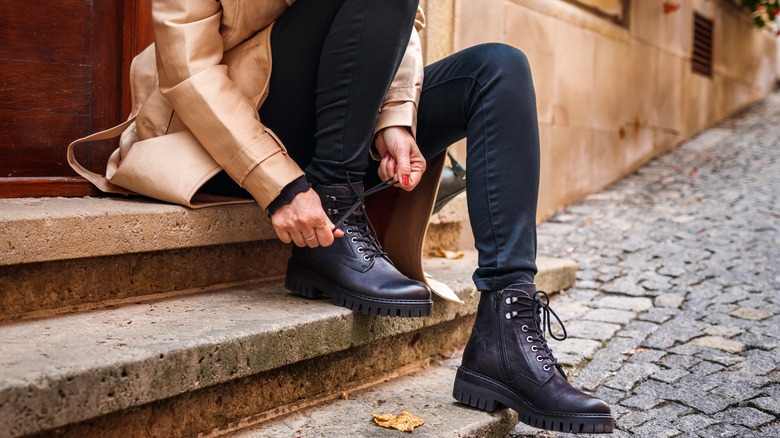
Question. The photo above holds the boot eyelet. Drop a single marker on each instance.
(353, 240)
(534, 348)
(539, 358)
(524, 328)
(508, 316)
(546, 367)
(366, 258)
(349, 231)
(529, 339)
(359, 249)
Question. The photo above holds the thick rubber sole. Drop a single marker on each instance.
(308, 283)
(488, 394)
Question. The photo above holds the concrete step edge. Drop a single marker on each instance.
(68, 369)
(45, 229)
(34, 230)
(77, 254)
(426, 393)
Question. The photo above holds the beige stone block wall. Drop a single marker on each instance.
(610, 96)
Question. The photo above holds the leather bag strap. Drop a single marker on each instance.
(100, 181)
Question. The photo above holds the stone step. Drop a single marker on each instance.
(198, 362)
(38, 230)
(61, 255)
(67, 254)
(426, 393)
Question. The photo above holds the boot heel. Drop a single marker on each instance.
(475, 396)
(298, 282)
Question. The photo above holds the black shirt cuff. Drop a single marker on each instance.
(289, 191)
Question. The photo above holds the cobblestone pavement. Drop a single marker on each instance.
(675, 318)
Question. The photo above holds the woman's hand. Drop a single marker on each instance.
(304, 222)
(401, 157)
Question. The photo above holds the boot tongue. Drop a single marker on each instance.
(339, 199)
(358, 187)
(528, 289)
(346, 193)
(535, 304)
(352, 199)
(356, 195)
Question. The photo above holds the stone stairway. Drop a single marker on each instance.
(134, 318)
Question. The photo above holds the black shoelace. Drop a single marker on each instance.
(357, 227)
(538, 307)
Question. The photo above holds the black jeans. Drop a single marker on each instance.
(485, 93)
(333, 61)
(332, 67)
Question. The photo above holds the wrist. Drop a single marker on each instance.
(378, 146)
(290, 191)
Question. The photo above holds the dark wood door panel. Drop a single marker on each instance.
(36, 140)
(46, 31)
(61, 64)
(49, 88)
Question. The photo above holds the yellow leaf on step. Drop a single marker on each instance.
(405, 422)
(452, 255)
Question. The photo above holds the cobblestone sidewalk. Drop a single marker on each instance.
(675, 318)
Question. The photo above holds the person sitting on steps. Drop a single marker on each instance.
(347, 104)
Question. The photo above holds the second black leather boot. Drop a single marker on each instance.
(507, 362)
(354, 271)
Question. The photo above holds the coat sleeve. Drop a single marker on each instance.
(399, 107)
(196, 83)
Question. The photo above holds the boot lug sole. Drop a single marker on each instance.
(488, 394)
(308, 283)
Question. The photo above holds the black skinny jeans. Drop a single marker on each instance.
(333, 63)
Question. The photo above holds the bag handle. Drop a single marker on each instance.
(98, 180)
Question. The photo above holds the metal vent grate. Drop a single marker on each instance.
(701, 59)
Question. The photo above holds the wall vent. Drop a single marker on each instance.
(701, 59)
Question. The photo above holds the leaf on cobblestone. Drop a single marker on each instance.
(406, 422)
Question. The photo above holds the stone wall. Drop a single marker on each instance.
(611, 96)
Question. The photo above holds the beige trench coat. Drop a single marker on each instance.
(196, 94)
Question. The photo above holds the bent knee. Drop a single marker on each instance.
(500, 57)
(506, 55)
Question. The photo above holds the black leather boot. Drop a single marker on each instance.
(507, 362)
(354, 271)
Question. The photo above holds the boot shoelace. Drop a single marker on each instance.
(538, 307)
(357, 225)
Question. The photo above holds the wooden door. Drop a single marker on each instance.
(61, 76)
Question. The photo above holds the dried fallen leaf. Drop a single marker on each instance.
(452, 255)
(405, 422)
